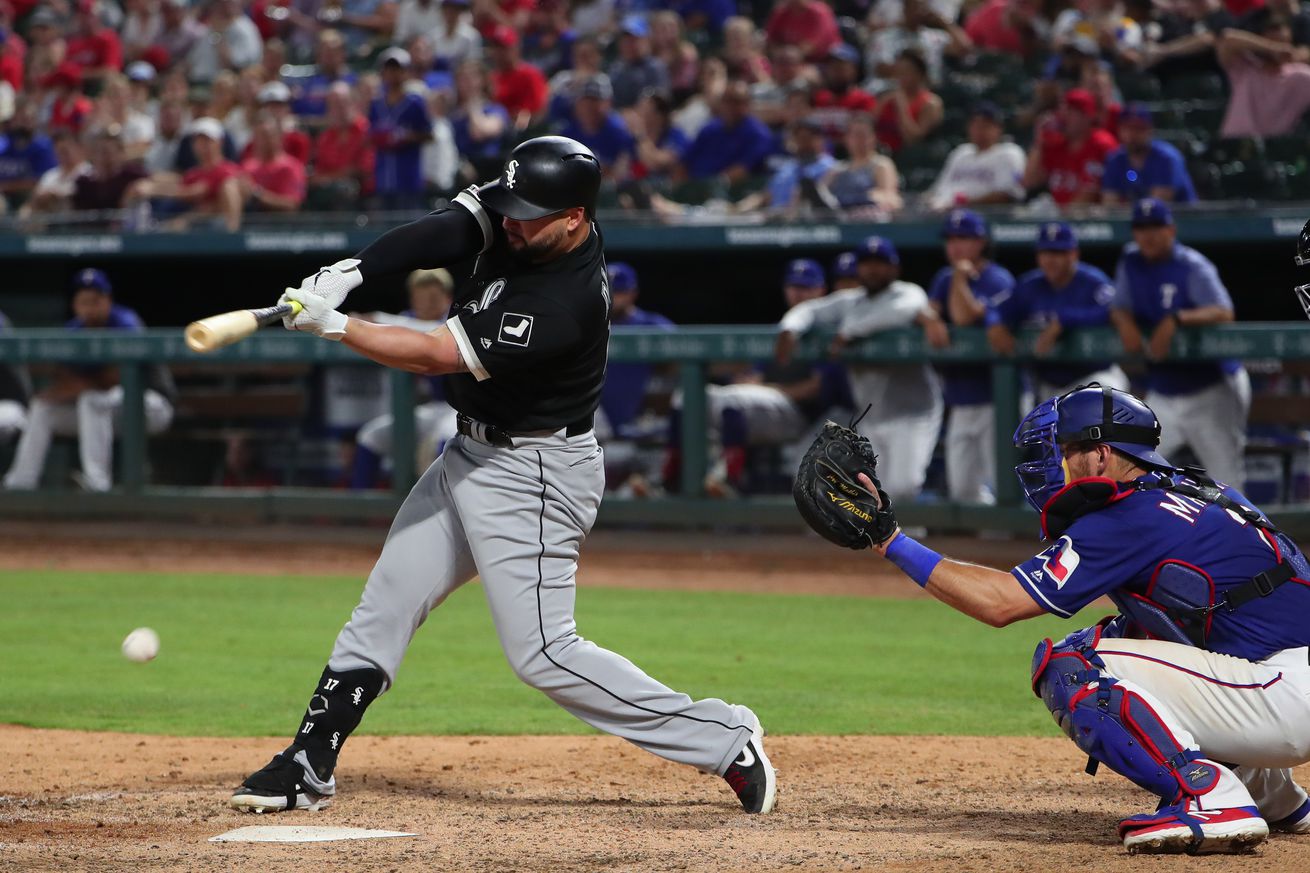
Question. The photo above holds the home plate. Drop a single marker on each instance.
(301, 834)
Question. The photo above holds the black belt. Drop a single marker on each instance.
(504, 439)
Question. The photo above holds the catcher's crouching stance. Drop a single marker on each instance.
(1199, 689)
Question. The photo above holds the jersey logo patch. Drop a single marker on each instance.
(486, 343)
(1061, 561)
(515, 329)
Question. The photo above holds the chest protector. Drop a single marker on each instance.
(1179, 603)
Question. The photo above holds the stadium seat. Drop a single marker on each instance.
(1138, 86)
(1207, 179)
(1205, 86)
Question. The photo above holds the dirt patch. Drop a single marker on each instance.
(75, 801)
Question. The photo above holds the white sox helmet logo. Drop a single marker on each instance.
(510, 169)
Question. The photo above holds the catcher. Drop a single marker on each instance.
(1199, 689)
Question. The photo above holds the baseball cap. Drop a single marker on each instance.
(461, 3)
(92, 278)
(275, 92)
(804, 273)
(1138, 112)
(503, 36)
(1056, 236)
(394, 55)
(1080, 99)
(622, 277)
(635, 25)
(877, 248)
(597, 87)
(843, 52)
(141, 71)
(1150, 212)
(43, 16)
(843, 266)
(1084, 44)
(209, 127)
(988, 110)
(964, 223)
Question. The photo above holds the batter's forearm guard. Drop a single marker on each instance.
(334, 712)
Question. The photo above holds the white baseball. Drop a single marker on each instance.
(141, 645)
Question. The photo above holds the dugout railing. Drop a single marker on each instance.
(691, 350)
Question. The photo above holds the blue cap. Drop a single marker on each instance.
(877, 248)
(1056, 236)
(92, 278)
(964, 223)
(635, 25)
(1150, 212)
(987, 109)
(1136, 112)
(843, 52)
(844, 266)
(622, 277)
(805, 273)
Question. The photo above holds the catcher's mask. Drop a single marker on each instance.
(1089, 413)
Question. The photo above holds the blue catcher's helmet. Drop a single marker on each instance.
(1092, 413)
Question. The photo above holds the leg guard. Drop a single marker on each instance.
(333, 712)
(1114, 724)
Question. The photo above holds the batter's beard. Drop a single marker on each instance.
(543, 248)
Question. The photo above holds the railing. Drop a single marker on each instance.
(691, 349)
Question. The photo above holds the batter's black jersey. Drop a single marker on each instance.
(535, 337)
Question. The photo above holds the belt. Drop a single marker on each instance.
(504, 439)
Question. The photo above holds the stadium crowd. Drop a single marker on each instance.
(199, 114)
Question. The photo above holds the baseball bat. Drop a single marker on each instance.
(209, 334)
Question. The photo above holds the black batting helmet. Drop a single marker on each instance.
(544, 175)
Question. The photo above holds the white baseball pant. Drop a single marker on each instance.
(1212, 421)
(971, 453)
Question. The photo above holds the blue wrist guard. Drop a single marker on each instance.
(914, 558)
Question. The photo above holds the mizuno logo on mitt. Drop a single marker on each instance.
(850, 507)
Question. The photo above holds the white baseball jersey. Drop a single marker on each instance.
(973, 174)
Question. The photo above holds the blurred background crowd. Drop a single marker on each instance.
(174, 113)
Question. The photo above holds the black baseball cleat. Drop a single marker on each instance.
(753, 777)
(280, 786)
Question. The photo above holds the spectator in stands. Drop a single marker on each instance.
(788, 75)
(565, 85)
(490, 14)
(1269, 80)
(364, 24)
(179, 33)
(809, 24)
(225, 104)
(733, 146)
(343, 155)
(430, 293)
(85, 400)
(922, 29)
(141, 80)
(597, 126)
(518, 86)
(399, 124)
(635, 70)
(1161, 285)
(983, 171)
(275, 99)
(309, 94)
(1144, 166)
(911, 111)
(25, 155)
(1068, 158)
(962, 293)
(440, 158)
(209, 190)
(866, 182)
(46, 44)
(15, 388)
(105, 186)
(699, 110)
(142, 25)
(54, 190)
(271, 180)
(455, 40)
(1061, 296)
(548, 39)
(416, 18)
(162, 156)
(114, 107)
(69, 108)
(1014, 27)
(1188, 35)
(794, 186)
(680, 57)
(12, 53)
(227, 40)
(743, 51)
(1101, 25)
(96, 49)
(839, 97)
(480, 123)
(593, 17)
(423, 67)
(1295, 11)
(660, 145)
(703, 16)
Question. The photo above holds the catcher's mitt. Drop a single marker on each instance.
(832, 500)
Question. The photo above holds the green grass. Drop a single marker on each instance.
(240, 657)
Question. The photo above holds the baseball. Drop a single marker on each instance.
(141, 645)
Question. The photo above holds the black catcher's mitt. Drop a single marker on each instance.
(832, 500)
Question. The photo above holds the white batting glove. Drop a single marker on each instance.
(330, 284)
(317, 317)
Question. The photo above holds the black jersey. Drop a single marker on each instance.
(535, 337)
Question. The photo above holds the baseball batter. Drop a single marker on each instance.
(1199, 689)
(512, 497)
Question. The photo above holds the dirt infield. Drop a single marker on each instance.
(103, 801)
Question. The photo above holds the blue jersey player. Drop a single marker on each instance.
(1199, 689)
